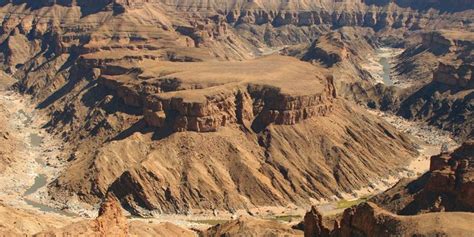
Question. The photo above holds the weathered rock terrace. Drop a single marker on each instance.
(169, 102)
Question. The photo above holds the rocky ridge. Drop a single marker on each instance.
(443, 94)
(442, 196)
(446, 187)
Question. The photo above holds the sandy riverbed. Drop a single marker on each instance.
(35, 158)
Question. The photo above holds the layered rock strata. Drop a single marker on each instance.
(444, 196)
(254, 103)
(448, 186)
(440, 68)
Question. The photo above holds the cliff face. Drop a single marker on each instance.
(228, 109)
(223, 120)
(444, 195)
(368, 219)
(446, 187)
(458, 76)
(172, 102)
(442, 93)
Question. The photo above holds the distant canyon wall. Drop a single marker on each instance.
(370, 13)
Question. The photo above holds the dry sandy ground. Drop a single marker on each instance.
(36, 154)
(22, 166)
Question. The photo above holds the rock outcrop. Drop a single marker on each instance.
(112, 222)
(461, 76)
(368, 219)
(313, 224)
(444, 41)
(249, 226)
(171, 101)
(448, 186)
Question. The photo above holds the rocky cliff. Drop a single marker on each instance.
(438, 203)
(223, 120)
(457, 76)
(368, 219)
(440, 70)
(448, 186)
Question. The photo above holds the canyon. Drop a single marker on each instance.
(121, 116)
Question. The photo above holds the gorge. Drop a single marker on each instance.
(199, 112)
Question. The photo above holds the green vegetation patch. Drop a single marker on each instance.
(343, 204)
(286, 218)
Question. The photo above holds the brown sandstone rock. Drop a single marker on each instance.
(448, 186)
(259, 117)
(461, 76)
(249, 226)
(110, 222)
(313, 224)
(370, 220)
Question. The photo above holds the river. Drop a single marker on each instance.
(24, 183)
(379, 64)
(384, 61)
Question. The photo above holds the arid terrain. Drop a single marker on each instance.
(236, 118)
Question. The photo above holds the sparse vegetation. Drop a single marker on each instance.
(343, 204)
(285, 218)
